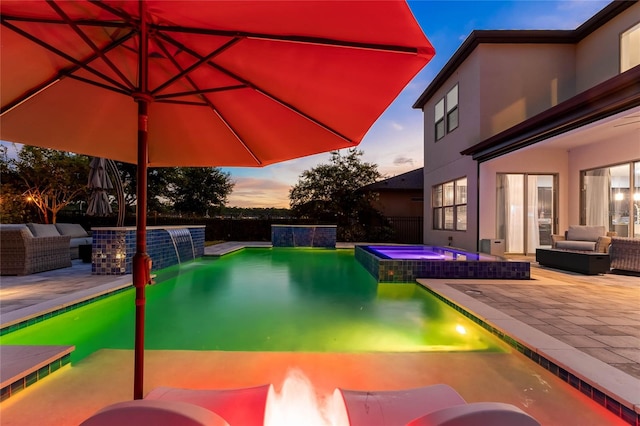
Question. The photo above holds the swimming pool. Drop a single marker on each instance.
(406, 263)
(101, 371)
(268, 300)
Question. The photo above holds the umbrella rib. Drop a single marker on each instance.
(82, 22)
(28, 95)
(259, 90)
(90, 43)
(98, 84)
(71, 59)
(124, 16)
(198, 92)
(208, 102)
(290, 38)
(196, 65)
(176, 102)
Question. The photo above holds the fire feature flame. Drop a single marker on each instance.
(298, 403)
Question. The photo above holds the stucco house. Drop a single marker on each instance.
(529, 131)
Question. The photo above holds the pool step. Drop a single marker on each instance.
(22, 366)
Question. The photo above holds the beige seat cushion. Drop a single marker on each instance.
(74, 230)
(43, 230)
(585, 233)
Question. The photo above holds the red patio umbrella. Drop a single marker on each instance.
(200, 83)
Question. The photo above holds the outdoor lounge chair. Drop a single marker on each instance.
(144, 412)
(437, 405)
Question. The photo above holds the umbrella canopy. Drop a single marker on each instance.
(200, 83)
(230, 83)
(98, 183)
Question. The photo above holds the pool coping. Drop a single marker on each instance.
(38, 312)
(613, 389)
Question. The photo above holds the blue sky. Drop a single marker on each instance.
(394, 142)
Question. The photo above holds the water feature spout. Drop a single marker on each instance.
(181, 239)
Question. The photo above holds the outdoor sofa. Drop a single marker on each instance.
(78, 236)
(22, 253)
(625, 254)
(583, 249)
(583, 238)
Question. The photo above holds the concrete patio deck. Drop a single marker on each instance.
(594, 317)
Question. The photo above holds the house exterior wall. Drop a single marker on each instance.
(498, 86)
(598, 54)
(448, 148)
(518, 82)
(442, 159)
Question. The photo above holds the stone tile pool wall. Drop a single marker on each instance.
(113, 248)
(404, 271)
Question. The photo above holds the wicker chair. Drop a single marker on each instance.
(21, 253)
(624, 254)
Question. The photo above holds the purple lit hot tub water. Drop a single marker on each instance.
(398, 263)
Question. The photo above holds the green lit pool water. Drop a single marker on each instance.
(268, 300)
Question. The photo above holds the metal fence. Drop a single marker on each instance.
(407, 230)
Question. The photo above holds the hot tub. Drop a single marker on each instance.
(406, 263)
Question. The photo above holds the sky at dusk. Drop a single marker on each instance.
(395, 141)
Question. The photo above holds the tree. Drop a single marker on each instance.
(329, 193)
(13, 205)
(159, 183)
(49, 179)
(190, 190)
(197, 190)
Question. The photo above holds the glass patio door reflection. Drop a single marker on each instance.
(526, 211)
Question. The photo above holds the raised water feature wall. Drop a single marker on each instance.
(113, 248)
(303, 236)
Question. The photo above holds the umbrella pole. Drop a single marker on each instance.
(141, 260)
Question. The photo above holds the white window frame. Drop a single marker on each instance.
(444, 113)
(448, 200)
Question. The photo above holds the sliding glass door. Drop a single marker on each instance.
(526, 211)
(611, 197)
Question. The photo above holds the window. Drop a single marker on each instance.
(452, 109)
(450, 205)
(611, 197)
(449, 104)
(439, 119)
(630, 48)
